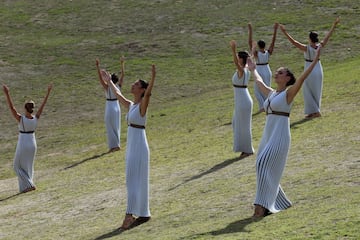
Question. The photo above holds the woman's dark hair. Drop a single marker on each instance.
(243, 55)
(261, 44)
(144, 85)
(29, 106)
(114, 78)
(314, 37)
(292, 77)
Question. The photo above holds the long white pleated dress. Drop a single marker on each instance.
(263, 68)
(112, 118)
(313, 85)
(25, 153)
(242, 114)
(137, 164)
(272, 154)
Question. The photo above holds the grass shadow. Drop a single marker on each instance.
(85, 160)
(234, 227)
(110, 234)
(257, 113)
(9, 197)
(119, 231)
(304, 120)
(211, 170)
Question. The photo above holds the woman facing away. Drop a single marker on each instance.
(26, 146)
(275, 142)
(137, 151)
(312, 90)
(262, 57)
(243, 104)
(112, 116)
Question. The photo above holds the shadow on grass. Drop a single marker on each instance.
(110, 234)
(257, 113)
(304, 120)
(211, 170)
(234, 227)
(119, 231)
(85, 160)
(7, 198)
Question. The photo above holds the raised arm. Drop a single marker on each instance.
(146, 99)
(272, 44)
(259, 81)
(328, 35)
(102, 81)
(124, 101)
(297, 44)
(122, 65)
(239, 67)
(250, 39)
(38, 113)
(16, 115)
(294, 89)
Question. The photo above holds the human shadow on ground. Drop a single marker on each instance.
(257, 113)
(9, 197)
(234, 227)
(211, 170)
(304, 120)
(119, 231)
(85, 160)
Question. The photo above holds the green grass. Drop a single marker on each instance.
(199, 190)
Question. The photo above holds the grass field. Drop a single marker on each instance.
(199, 188)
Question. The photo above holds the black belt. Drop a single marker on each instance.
(239, 86)
(111, 99)
(136, 126)
(279, 113)
(26, 132)
(262, 63)
(309, 60)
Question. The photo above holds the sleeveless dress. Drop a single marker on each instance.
(263, 68)
(137, 164)
(312, 87)
(242, 114)
(272, 154)
(112, 118)
(25, 152)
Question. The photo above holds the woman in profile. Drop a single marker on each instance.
(137, 150)
(26, 146)
(275, 142)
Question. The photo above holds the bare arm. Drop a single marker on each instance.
(259, 81)
(102, 81)
(272, 44)
(122, 65)
(38, 113)
(294, 89)
(297, 44)
(239, 67)
(328, 35)
(124, 101)
(16, 115)
(146, 99)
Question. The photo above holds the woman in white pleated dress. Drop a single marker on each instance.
(243, 104)
(275, 143)
(312, 90)
(26, 146)
(262, 57)
(112, 116)
(137, 151)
